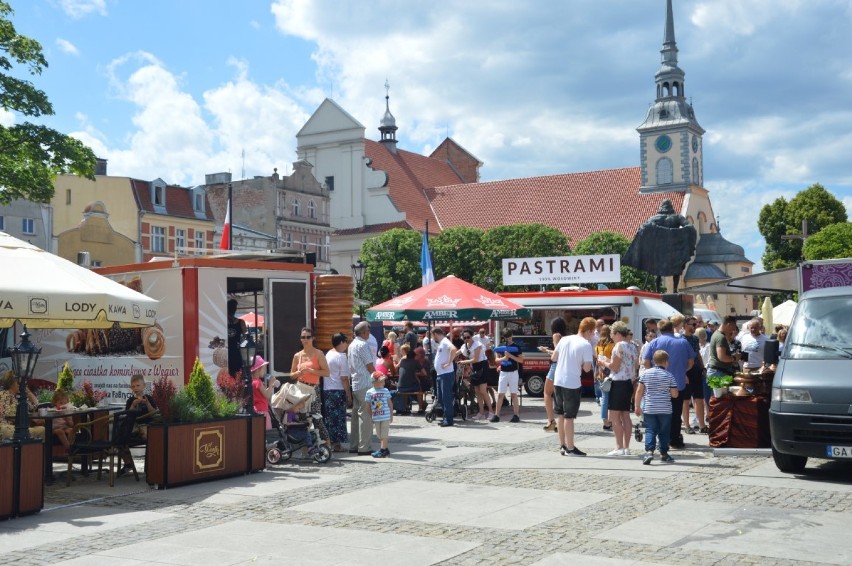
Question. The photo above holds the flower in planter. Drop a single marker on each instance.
(198, 401)
(163, 392)
(718, 382)
(87, 395)
(232, 387)
(44, 395)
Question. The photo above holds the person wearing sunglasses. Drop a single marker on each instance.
(308, 367)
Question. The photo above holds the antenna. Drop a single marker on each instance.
(244, 164)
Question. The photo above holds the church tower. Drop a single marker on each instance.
(670, 143)
(387, 126)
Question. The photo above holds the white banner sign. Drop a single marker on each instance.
(570, 270)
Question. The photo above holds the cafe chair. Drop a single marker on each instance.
(116, 446)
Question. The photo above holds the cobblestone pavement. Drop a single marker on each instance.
(702, 510)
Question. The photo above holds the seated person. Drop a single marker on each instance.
(424, 368)
(9, 408)
(408, 381)
(142, 404)
(63, 427)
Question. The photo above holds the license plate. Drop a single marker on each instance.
(839, 451)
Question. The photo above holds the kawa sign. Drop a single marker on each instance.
(576, 269)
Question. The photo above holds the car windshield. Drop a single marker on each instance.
(821, 329)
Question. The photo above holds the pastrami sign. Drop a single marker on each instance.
(603, 268)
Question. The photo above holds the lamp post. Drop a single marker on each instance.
(248, 349)
(24, 357)
(358, 270)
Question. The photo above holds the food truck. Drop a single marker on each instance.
(632, 306)
(191, 322)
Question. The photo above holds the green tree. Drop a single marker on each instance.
(781, 218)
(519, 240)
(393, 264)
(200, 390)
(457, 251)
(614, 243)
(31, 155)
(831, 242)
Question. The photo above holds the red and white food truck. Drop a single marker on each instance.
(631, 306)
(191, 322)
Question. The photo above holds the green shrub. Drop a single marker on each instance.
(720, 381)
(200, 388)
(224, 407)
(66, 379)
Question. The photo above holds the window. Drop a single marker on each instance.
(329, 182)
(180, 240)
(97, 263)
(2, 223)
(321, 251)
(27, 226)
(159, 198)
(295, 207)
(199, 242)
(304, 243)
(665, 171)
(288, 240)
(67, 196)
(696, 178)
(312, 209)
(158, 239)
(199, 201)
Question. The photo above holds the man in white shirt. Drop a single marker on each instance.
(573, 355)
(445, 353)
(754, 343)
(361, 355)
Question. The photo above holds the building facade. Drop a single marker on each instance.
(28, 221)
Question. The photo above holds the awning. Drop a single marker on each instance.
(784, 280)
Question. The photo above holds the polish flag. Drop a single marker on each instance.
(226, 230)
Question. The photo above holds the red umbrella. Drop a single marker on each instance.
(448, 299)
(250, 317)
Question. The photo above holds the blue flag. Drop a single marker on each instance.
(426, 261)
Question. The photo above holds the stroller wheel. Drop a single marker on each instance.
(430, 416)
(322, 454)
(273, 455)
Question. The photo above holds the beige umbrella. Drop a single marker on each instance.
(43, 290)
(783, 313)
(766, 313)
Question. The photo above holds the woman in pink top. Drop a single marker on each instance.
(309, 365)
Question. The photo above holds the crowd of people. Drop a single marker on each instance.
(663, 380)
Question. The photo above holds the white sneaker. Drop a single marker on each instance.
(616, 452)
(694, 422)
(625, 452)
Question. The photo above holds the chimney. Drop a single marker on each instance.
(100, 166)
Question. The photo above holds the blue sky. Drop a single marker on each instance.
(177, 89)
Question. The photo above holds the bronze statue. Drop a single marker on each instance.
(663, 245)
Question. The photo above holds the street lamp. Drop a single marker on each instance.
(24, 357)
(358, 270)
(248, 349)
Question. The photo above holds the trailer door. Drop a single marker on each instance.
(289, 311)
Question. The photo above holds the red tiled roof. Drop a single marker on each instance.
(178, 200)
(409, 174)
(576, 204)
(373, 228)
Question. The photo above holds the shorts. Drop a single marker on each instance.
(695, 387)
(551, 373)
(477, 374)
(508, 382)
(620, 395)
(566, 402)
(382, 429)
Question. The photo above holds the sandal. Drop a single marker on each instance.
(704, 430)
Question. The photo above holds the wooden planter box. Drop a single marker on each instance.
(184, 453)
(29, 488)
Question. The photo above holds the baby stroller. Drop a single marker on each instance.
(296, 434)
(293, 436)
(461, 389)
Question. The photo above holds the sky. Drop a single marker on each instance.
(179, 89)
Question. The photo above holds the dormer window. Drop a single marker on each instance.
(296, 207)
(199, 201)
(159, 197)
(312, 209)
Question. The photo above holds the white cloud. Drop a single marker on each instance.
(7, 118)
(67, 46)
(80, 8)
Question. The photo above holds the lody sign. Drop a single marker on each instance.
(571, 270)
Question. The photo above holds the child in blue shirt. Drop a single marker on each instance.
(381, 408)
(657, 387)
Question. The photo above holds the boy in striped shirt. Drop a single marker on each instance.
(657, 387)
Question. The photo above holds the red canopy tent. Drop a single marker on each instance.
(253, 319)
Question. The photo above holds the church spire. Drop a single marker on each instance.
(387, 126)
(670, 137)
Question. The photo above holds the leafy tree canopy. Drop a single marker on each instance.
(614, 243)
(779, 218)
(393, 264)
(831, 242)
(457, 251)
(31, 155)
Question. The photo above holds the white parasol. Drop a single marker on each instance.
(783, 313)
(766, 313)
(43, 290)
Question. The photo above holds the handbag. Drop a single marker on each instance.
(606, 384)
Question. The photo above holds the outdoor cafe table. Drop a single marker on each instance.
(86, 415)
